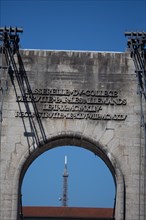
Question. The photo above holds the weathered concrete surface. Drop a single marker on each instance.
(86, 99)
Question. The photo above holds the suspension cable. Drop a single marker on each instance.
(137, 46)
(9, 36)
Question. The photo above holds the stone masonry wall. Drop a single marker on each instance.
(87, 99)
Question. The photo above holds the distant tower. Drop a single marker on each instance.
(65, 184)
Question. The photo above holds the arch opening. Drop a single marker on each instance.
(61, 141)
(89, 182)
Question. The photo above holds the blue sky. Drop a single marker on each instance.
(93, 25)
(90, 184)
(74, 24)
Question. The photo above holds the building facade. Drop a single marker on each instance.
(67, 213)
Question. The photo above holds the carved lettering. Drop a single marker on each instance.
(57, 115)
(74, 104)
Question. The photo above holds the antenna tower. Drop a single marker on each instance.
(65, 184)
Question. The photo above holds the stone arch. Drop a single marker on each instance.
(74, 139)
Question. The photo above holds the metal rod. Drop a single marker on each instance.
(11, 29)
(135, 34)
